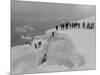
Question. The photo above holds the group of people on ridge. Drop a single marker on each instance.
(62, 25)
(68, 25)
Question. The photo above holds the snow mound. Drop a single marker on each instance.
(72, 49)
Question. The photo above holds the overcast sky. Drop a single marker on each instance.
(36, 11)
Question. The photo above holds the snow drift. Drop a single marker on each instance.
(68, 50)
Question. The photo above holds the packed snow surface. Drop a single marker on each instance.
(72, 49)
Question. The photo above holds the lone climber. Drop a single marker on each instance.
(35, 45)
(66, 25)
(56, 27)
(52, 34)
(39, 43)
(62, 26)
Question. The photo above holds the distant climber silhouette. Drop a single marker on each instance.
(62, 26)
(83, 24)
(66, 25)
(35, 45)
(39, 44)
(53, 34)
(56, 27)
(92, 25)
(44, 59)
(78, 25)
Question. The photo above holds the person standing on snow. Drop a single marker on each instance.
(52, 34)
(40, 43)
(66, 25)
(35, 45)
(62, 26)
(56, 27)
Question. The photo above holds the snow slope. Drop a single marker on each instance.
(83, 40)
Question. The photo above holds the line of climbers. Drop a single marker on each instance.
(63, 26)
(68, 25)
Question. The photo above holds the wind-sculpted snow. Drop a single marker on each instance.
(67, 50)
(58, 50)
(63, 52)
(72, 49)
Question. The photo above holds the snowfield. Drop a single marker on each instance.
(72, 49)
